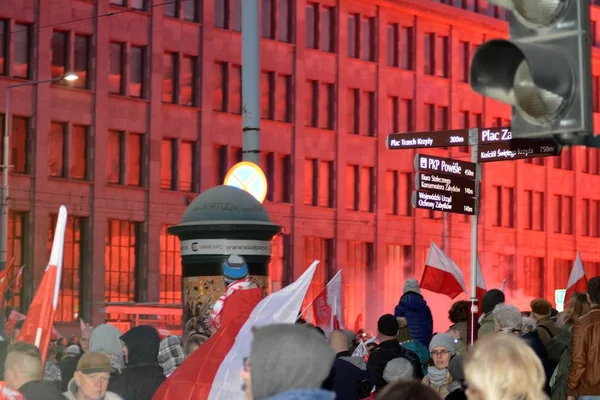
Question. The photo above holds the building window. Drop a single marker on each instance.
(284, 98)
(312, 26)
(267, 95)
(228, 14)
(169, 63)
(187, 81)
(316, 248)
(505, 206)
(136, 72)
(318, 178)
(406, 47)
(563, 217)
(167, 164)
(170, 268)
(116, 68)
(361, 37)
(188, 9)
(398, 188)
(4, 46)
(392, 45)
(312, 103)
(463, 61)
(397, 269)
(124, 158)
(227, 88)
(585, 217)
(120, 260)
(16, 249)
(179, 79)
(117, 84)
(224, 158)
(276, 20)
(177, 165)
(81, 61)
(353, 35)
(328, 29)
(19, 144)
(564, 160)
(436, 55)
(595, 218)
(60, 56)
(69, 300)
(22, 50)
(361, 112)
(562, 271)
(357, 271)
(539, 211)
(360, 191)
(67, 151)
(136, 4)
(533, 277)
(369, 39)
(277, 169)
(320, 27)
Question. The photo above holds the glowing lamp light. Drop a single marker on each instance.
(70, 77)
(249, 177)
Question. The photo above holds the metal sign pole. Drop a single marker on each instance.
(474, 142)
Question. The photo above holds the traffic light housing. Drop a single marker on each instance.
(544, 71)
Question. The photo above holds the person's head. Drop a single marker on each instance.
(23, 364)
(285, 357)
(84, 341)
(503, 367)
(339, 341)
(141, 345)
(403, 331)
(412, 285)
(456, 368)
(407, 390)
(73, 351)
(577, 307)
(491, 299)
(459, 312)
(105, 339)
(441, 349)
(170, 354)
(540, 308)
(193, 342)
(593, 291)
(387, 327)
(91, 376)
(16, 330)
(528, 324)
(398, 369)
(507, 317)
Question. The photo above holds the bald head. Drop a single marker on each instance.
(339, 341)
(23, 364)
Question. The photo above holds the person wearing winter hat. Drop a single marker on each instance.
(541, 310)
(414, 308)
(397, 370)
(442, 348)
(456, 388)
(388, 349)
(105, 339)
(90, 381)
(490, 300)
(287, 362)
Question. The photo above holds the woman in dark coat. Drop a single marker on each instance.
(414, 308)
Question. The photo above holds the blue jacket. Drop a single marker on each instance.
(304, 394)
(352, 375)
(414, 308)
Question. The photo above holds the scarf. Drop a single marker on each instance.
(514, 331)
(438, 377)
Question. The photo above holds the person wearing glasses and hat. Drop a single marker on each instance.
(442, 349)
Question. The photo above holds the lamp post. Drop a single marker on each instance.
(6, 164)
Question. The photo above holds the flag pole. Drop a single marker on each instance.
(313, 300)
(474, 142)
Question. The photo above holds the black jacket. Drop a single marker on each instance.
(353, 378)
(143, 375)
(41, 390)
(386, 352)
(67, 370)
(535, 342)
(457, 394)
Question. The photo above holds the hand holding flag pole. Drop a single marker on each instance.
(313, 300)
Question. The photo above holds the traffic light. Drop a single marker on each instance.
(544, 71)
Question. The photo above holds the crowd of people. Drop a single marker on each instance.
(533, 355)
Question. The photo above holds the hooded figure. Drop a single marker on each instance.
(105, 339)
(288, 362)
(142, 376)
(170, 354)
(414, 308)
(490, 300)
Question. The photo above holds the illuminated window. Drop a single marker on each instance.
(228, 14)
(187, 79)
(267, 95)
(136, 71)
(168, 92)
(81, 61)
(18, 144)
(69, 305)
(534, 277)
(137, 4)
(316, 248)
(185, 172)
(170, 268)
(397, 269)
(60, 55)
(4, 46)
(22, 50)
(167, 157)
(177, 165)
(56, 149)
(220, 87)
(78, 152)
(120, 260)
(125, 158)
(186, 8)
(116, 68)
(283, 102)
(16, 250)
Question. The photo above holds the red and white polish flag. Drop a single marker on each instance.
(213, 371)
(38, 326)
(577, 280)
(480, 288)
(441, 274)
(327, 306)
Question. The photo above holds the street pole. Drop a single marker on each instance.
(474, 140)
(250, 81)
(5, 166)
(444, 231)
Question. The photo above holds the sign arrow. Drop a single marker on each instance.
(420, 140)
(446, 166)
(445, 202)
(517, 149)
(444, 184)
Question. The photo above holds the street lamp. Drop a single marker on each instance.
(6, 165)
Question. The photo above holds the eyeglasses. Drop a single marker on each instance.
(246, 364)
(440, 353)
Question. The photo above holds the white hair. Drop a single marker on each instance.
(507, 316)
(528, 324)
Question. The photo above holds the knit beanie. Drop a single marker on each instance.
(285, 357)
(456, 368)
(387, 325)
(106, 339)
(443, 340)
(491, 299)
(412, 285)
(398, 369)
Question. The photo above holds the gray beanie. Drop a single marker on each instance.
(412, 285)
(443, 340)
(106, 339)
(285, 357)
(398, 369)
(456, 368)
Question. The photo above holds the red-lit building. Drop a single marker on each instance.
(155, 119)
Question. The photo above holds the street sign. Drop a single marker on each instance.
(516, 149)
(419, 140)
(445, 166)
(444, 184)
(248, 176)
(444, 202)
(494, 135)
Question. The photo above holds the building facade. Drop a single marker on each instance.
(155, 119)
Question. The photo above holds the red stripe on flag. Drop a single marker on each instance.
(194, 378)
(579, 286)
(440, 281)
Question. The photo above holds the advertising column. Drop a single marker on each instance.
(225, 246)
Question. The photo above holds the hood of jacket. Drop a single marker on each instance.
(413, 301)
(304, 394)
(71, 392)
(105, 340)
(142, 344)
